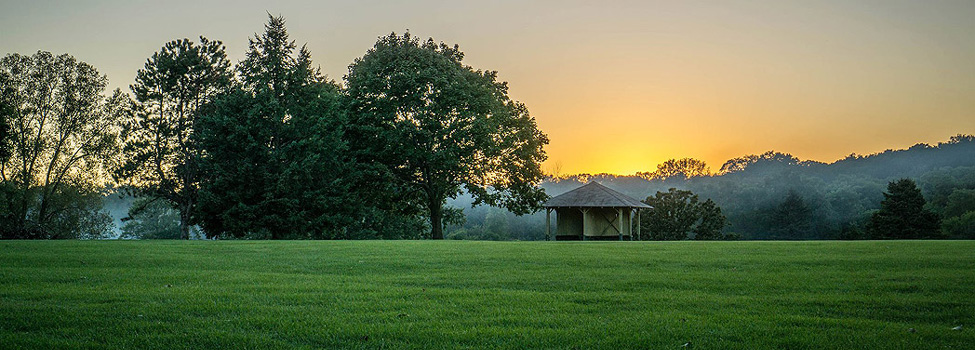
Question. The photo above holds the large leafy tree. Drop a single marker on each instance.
(902, 214)
(63, 135)
(678, 213)
(436, 127)
(160, 153)
(673, 215)
(273, 158)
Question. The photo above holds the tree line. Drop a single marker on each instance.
(927, 188)
(270, 148)
(267, 148)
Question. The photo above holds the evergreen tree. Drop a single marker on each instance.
(160, 153)
(902, 214)
(791, 219)
(273, 159)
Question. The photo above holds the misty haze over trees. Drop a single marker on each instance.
(778, 196)
(827, 201)
(270, 148)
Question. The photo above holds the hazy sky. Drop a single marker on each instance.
(618, 86)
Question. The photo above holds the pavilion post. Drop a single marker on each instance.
(619, 220)
(548, 224)
(585, 213)
(632, 235)
(638, 224)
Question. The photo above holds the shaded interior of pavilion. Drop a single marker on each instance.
(593, 212)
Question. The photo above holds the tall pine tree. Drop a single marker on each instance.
(902, 214)
(791, 219)
(274, 160)
(160, 151)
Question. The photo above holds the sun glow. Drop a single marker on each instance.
(620, 86)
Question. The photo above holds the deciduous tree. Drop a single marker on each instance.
(7, 111)
(712, 223)
(677, 213)
(63, 136)
(438, 127)
(679, 169)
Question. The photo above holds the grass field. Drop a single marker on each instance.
(416, 294)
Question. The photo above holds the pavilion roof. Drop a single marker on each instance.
(594, 195)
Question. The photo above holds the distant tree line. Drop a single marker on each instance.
(778, 196)
(268, 148)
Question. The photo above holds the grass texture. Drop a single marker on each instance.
(494, 295)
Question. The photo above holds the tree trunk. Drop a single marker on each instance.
(436, 221)
(184, 220)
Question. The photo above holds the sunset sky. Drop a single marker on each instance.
(618, 86)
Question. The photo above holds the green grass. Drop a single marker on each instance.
(410, 294)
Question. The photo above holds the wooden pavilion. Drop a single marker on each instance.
(592, 212)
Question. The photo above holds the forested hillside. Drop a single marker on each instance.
(828, 201)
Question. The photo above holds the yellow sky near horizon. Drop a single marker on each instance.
(618, 86)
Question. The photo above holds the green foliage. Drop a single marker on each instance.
(682, 169)
(63, 135)
(494, 227)
(7, 111)
(960, 201)
(273, 161)
(673, 215)
(494, 295)
(434, 127)
(902, 214)
(939, 184)
(961, 226)
(792, 219)
(841, 195)
(151, 218)
(496, 224)
(677, 213)
(959, 214)
(711, 224)
(159, 150)
(79, 214)
(767, 160)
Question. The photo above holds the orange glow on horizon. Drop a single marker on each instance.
(618, 86)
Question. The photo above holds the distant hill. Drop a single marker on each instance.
(749, 189)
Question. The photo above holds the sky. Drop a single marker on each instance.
(618, 86)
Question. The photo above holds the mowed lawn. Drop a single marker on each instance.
(511, 295)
